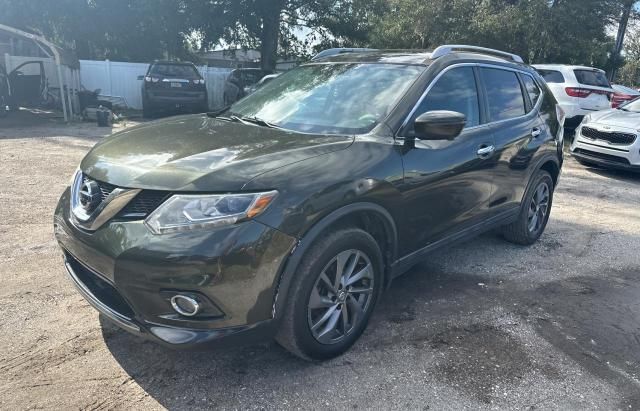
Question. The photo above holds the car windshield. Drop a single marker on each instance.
(633, 106)
(182, 71)
(348, 98)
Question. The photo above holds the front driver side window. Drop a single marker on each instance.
(455, 91)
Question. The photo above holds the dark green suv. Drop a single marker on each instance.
(288, 214)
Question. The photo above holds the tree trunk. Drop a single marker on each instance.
(270, 34)
(622, 29)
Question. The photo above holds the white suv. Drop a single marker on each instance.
(579, 90)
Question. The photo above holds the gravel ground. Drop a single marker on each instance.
(481, 325)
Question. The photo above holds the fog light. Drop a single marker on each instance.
(185, 305)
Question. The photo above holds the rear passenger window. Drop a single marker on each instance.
(532, 89)
(504, 94)
(455, 91)
(551, 76)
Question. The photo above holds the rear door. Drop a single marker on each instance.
(597, 92)
(517, 130)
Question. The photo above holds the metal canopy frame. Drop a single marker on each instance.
(72, 84)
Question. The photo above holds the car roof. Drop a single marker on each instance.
(563, 66)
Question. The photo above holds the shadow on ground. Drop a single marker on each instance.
(593, 319)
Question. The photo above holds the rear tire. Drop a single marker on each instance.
(534, 213)
(326, 313)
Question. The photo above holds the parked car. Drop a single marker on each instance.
(610, 138)
(264, 80)
(240, 83)
(622, 94)
(289, 213)
(171, 86)
(579, 90)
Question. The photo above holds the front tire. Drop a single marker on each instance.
(330, 301)
(534, 213)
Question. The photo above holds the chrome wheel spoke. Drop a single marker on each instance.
(331, 324)
(325, 317)
(345, 318)
(360, 290)
(327, 282)
(362, 274)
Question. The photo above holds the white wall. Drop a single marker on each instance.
(119, 79)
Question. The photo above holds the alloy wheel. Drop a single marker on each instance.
(538, 208)
(340, 296)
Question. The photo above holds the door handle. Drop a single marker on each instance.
(485, 151)
(536, 132)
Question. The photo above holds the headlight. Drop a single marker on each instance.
(192, 212)
(586, 119)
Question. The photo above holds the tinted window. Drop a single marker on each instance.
(504, 94)
(455, 91)
(592, 78)
(532, 89)
(551, 76)
(175, 70)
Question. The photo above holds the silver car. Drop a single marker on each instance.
(610, 138)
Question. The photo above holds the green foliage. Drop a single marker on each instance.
(561, 31)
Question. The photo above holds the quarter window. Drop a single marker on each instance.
(532, 89)
(455, 91)
(504, 94)
(551, 76)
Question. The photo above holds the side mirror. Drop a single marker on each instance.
(140, 77)
(439, 125)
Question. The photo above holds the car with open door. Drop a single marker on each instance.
(24, 85)
(288, 214)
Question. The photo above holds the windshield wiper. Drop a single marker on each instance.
(254, 120)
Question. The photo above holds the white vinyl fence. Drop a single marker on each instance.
(120, 80)
(117, 79)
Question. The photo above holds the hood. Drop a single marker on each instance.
(617, 118)
(199, 153)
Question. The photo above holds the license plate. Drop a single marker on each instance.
(177, 85)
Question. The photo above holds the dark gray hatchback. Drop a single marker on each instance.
(289, 213)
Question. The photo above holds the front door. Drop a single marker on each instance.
(447, 184)
(27, 82)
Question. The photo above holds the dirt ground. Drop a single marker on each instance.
(481, 325)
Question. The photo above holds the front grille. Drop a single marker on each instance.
(602, 156)
(140, 207)
(101, 289)
(612, 137)
(143, 204)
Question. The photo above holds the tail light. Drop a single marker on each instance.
(586, 92)
(577, 92)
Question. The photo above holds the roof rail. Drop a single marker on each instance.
(450, 48)
(341, 50)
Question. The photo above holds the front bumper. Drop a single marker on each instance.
(182, 99)
(126, 273)
(623, 157)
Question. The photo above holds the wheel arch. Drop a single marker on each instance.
(370, 217)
